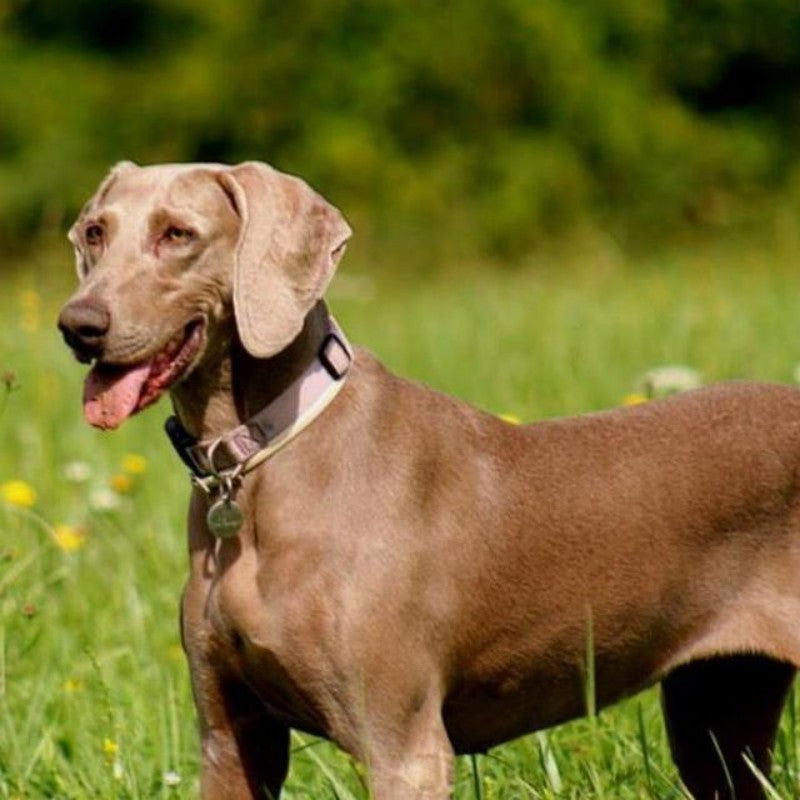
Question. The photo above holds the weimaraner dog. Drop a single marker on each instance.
(382, 565)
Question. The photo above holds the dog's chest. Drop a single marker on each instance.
(276, 641)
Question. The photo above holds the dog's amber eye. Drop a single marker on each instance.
(178, 235)
(93, 234)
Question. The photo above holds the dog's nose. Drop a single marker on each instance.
(84, 324)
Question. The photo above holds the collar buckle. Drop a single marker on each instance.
(335, 356)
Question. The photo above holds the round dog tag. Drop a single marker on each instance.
(224, 518)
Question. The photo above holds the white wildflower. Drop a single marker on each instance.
(171, 778)
(666, 380)
(77, 471)
(104, 499)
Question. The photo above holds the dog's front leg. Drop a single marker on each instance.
(245, 750)
(414, 762)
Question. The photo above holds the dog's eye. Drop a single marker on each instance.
(177, 235)
(93, 233)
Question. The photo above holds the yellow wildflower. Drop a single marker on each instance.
(72, 685)
(18, 493)
(69, 538)
(633, 399)
(29, 301)
(512, 418)
(134, 464)
(111, 751)
(121, 483)
(110, 748)
(175, 652)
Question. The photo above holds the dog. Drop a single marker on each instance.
(380, 564)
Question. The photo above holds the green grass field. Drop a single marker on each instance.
(94, 694)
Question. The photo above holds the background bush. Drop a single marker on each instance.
(481, 128)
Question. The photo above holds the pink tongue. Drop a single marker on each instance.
(111, 395)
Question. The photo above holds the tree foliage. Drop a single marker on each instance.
(491, 124)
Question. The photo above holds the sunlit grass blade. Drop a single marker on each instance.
(548, 762)
(645, 749)
(723, 763)
(768, 788)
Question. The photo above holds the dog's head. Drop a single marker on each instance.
(168, 254)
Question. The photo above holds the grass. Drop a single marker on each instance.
(94, 695)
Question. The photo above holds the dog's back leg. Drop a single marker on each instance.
(716, 712)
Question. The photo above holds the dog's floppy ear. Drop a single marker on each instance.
(105, 185)
(290, 242)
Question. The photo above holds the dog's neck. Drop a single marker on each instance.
(231, 385)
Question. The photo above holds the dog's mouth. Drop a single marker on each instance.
(114, 392)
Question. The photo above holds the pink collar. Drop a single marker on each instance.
(237, 451)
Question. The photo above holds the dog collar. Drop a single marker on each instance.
(222, 460)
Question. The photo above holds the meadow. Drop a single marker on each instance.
(94, 693)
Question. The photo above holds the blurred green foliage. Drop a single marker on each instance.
(479, 128)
